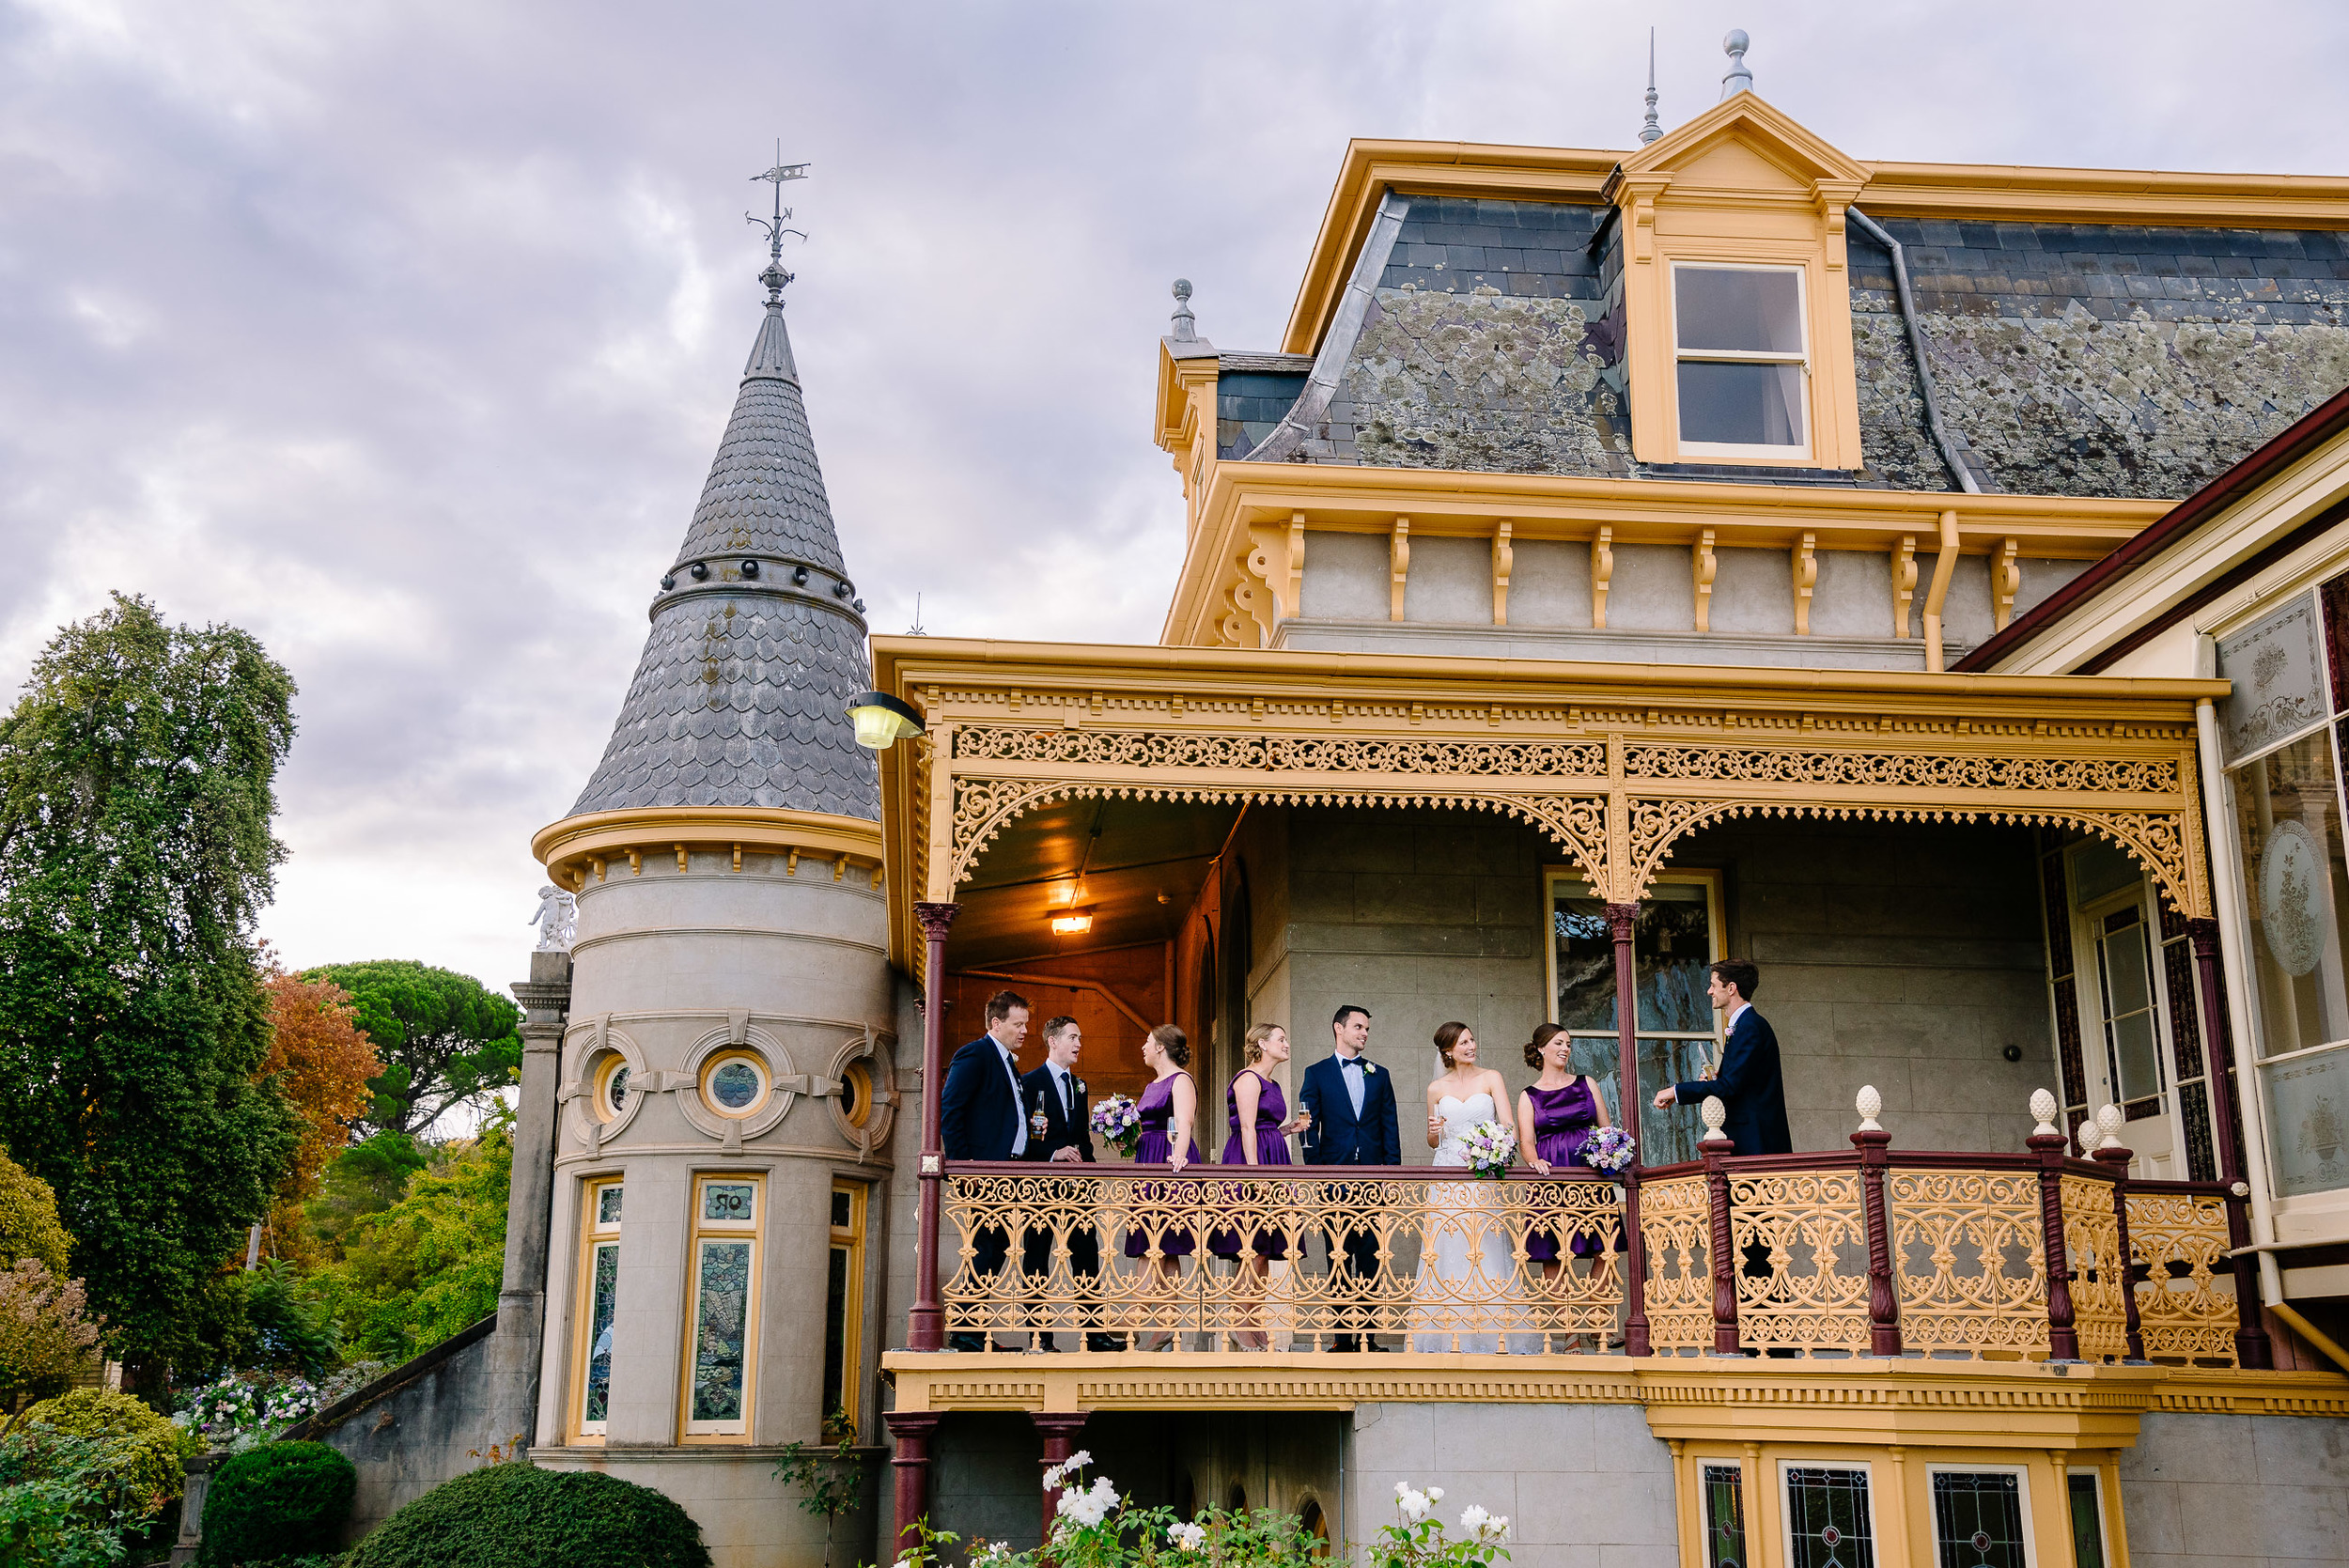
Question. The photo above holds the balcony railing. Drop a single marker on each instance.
(1877, 1251)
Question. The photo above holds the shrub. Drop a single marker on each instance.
(29, 1227)
(60, 1505)
(46, 1335)
(280, 1500)
(139, 1447)
(517, 1517)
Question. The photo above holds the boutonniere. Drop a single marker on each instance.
(1080, 1087)
(1369, 1068)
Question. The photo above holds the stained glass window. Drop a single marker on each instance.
(734, 1085)
(1827, 1520)
(608, 1206)
(602, 1303)
(729, 1200)
(1978, 1519)
(844, 1308)
(720, 1331)
(1724, 1516)
(2088, 1522)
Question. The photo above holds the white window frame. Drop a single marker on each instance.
(1786, 1510)
(1810, 442)
(2022, 1500)
(705, 1232)
(2104, 1518)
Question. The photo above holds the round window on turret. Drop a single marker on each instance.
(856, 1094)
(735, 1084)
(611, 1087)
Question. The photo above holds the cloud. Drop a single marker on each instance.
(402, 333)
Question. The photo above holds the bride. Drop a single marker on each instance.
(1468, 1272)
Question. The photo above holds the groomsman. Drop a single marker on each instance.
(1747, 1084)
(1060, 1130)
(978, 1118)
(1351, 1104)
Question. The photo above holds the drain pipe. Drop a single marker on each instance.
(1916, 346)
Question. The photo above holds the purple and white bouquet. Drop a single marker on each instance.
(1118, 1120)
(1491, 1147)
(1609, 1149)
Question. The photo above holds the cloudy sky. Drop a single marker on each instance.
(402, 333)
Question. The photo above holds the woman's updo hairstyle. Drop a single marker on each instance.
(1447, 1036)
(1543, 1035)
(1254, 1045)
(1175, 1042)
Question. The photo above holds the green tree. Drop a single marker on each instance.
(29, 1227)
(137, 778)
(366, 1178)
(444, 1037)
(429, 1265)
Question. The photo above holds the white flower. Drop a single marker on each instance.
(1091, 1505)
(1055, 1478)
(1189, 1537)
(1498, 1529)
(1412, 1503)
(1472, 1518)
(1080, 1459)
(1435, 1494)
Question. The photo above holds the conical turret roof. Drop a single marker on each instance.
(757, 641)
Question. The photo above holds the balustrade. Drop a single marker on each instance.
(1879, 1251)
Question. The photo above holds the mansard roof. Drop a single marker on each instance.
(740, 696)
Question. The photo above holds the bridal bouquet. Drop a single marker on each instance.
(1490, 1146)
(1609, 1149)
(1118, 1120)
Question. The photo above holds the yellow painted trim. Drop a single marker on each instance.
(698, 1233)
(1243, 505)
(850, 1238)
(1999, 192)
(579, 848)
(591, 1236)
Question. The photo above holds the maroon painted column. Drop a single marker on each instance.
(2063, 1339)
(2117, 1158)
(1720, 1244)
(911, 1462)
(925, 1323)
(2252, 1346)
(1059, 1429)
(1621, 918)
(1883, 1302)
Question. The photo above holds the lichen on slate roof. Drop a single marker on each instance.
(741, 696)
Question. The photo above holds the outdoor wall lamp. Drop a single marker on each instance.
(881, 719)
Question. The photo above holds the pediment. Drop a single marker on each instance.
(1743, 144)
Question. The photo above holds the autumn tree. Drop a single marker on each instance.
(321, 1063)
(137, 788)
(444, 1039)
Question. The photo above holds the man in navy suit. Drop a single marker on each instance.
(1059, 1112)
(1747, 1084)
(979, 1117)
(1352, 1106)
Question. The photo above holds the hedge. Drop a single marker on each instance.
(515, 1515)
(279, 1500)
(142, 1447)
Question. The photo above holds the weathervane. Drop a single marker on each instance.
(775, 277)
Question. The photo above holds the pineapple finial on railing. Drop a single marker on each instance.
(1714, 1114)
(1868, 1103)
(2109, 1122)
(2044, 1107)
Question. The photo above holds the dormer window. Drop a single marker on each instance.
(1743, 360)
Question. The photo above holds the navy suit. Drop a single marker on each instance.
(1338, 1136)
(978, 1118)
(1749, 1087)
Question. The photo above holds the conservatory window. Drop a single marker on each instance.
(720, 1319)
(599, 1281)
(1828, 1517)
(1741, 360)
(1979, 1519)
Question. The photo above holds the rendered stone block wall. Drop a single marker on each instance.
(1584, 1485)
(415, 1427)
(2198, 1491)
(748, 1518)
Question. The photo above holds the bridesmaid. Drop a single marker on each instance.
(1256, 1104)
(1168, 1108)
(1556, 1116)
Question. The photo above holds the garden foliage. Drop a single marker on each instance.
(443, 1038)
(29, 1227)
(520, 1516)
(61, 1504)
(46, 1333)
(138, 1451)
(421, 1270)
(279, 1500)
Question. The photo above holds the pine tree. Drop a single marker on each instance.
(136, 794)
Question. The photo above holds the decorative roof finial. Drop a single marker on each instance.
(775, 277)
(1651, 130)
(1186, 325)
(1740, 79)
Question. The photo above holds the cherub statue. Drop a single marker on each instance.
(557, 920)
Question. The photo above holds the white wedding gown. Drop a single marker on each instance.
(1467, 1267)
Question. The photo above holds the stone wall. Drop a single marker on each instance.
(2246, 1491)
(748, 1518)
(418, 1425)
(1582, 1485)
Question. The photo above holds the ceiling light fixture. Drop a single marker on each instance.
(1076, 923)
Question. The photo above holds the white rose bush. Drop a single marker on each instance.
(1098, 1527)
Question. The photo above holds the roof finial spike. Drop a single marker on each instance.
(1186, 325)
(775, 277)
(1740, 79)
(1651, 130)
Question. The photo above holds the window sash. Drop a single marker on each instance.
(1685, 354)
(720, 1383)
(1981, 1517)
(1830, 1516)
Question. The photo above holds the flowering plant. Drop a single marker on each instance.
(1490, 1145)
(1417, 1540)
(243, 1409)
(1118, 1120)
(1609, 1149)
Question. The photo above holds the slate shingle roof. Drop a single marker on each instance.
(739, 697)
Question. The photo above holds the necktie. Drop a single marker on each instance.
(1068, 1098)
(1020, 1134)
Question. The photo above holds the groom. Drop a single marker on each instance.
(1747, 1084)
(1352, 1106)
